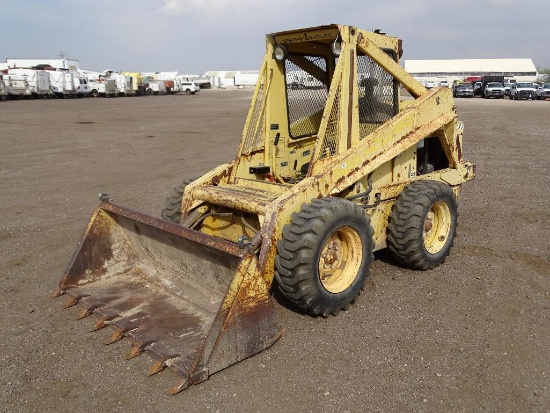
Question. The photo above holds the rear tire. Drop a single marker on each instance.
(324, 256)
(172, 204)
(422, 224)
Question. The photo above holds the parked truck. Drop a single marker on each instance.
(523, 90)
(16, 85)
(154, 85)
(167, 78)
(136, 83)
(81, 85)
(100, 85)
(62, 83)
(38, 81)
(493, 90)
(485, 79)
(123, 83)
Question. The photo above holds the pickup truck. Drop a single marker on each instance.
(494, 90)
(523, 90)
(543, 92)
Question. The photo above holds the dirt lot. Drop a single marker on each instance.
(470, 336)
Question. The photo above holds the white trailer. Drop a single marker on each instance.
(246, 79)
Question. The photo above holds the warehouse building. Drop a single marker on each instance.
(66, 64)
(235, 78)
(437, 71)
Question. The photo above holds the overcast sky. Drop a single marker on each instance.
(193, 36)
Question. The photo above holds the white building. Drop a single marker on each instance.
(234, 78)
(457, 69)
(67, 64)
(221, 78)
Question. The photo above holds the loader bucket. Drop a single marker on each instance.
(195, 303)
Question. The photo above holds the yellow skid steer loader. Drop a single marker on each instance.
(332, 166)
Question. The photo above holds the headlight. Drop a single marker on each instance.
(280, 53)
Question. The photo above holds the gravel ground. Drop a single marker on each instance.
(469, 336)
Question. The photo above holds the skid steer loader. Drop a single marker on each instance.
(332, 166)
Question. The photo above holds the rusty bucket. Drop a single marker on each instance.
(195, 303)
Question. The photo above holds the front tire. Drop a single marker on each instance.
(422, 224)
(324, 256)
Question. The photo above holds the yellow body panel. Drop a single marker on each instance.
(344, 155)
(137, 83)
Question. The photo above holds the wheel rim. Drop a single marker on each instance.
(437, 227)
(340, 259)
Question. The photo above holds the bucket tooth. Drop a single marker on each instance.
(137, 349)
(117, 335)
(88, 311)
(74, 301)
(58, 293)
(157, 367)
(179, 386)
(160, 365)
(103, 322)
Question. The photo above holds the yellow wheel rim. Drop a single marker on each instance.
(340, 259)
(437, 227)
